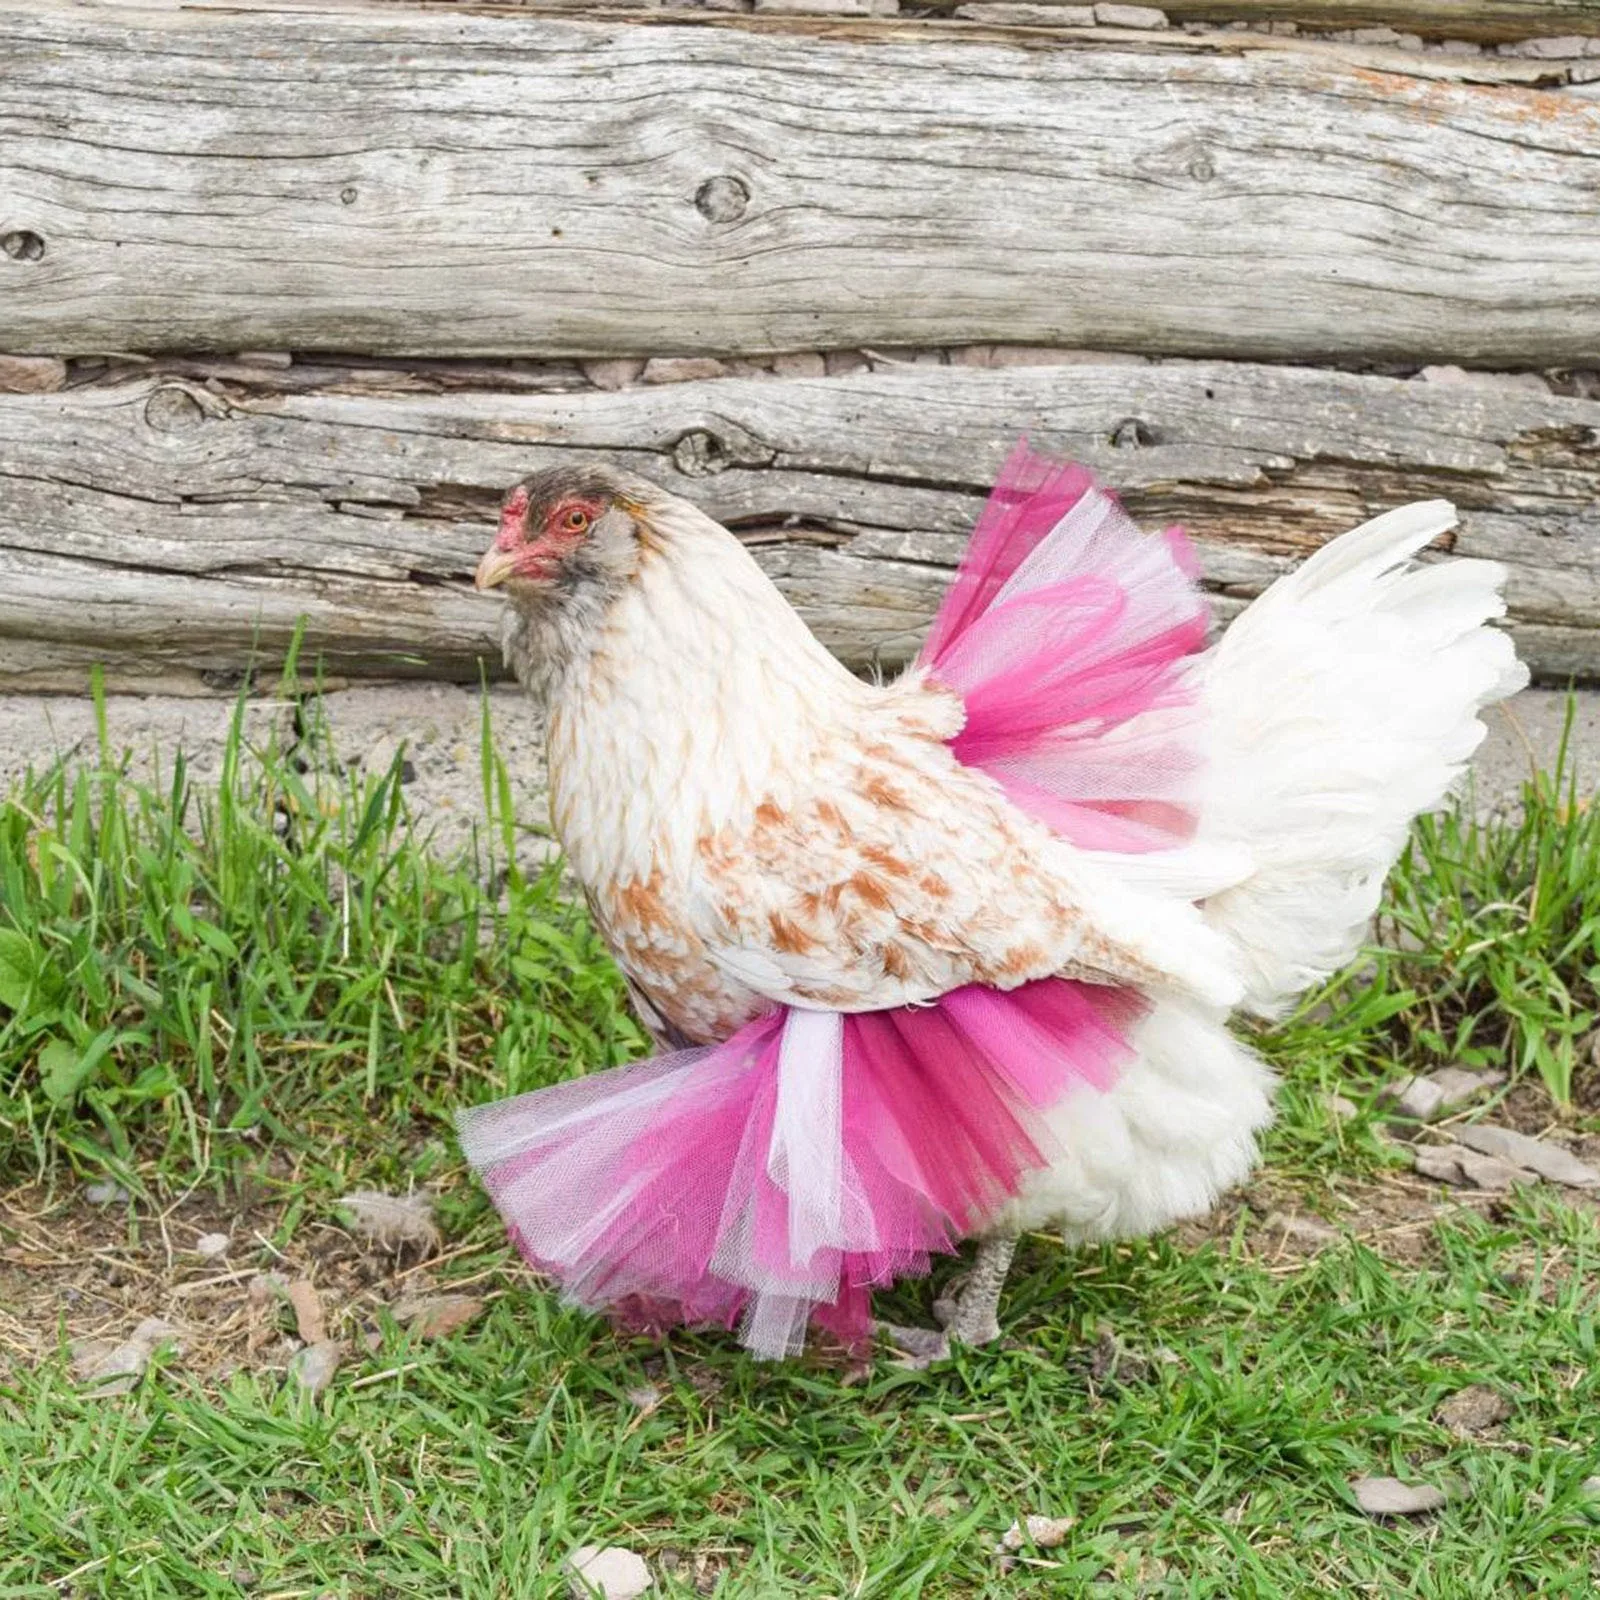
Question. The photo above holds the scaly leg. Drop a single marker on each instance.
(969, 1317)
(972, 1317)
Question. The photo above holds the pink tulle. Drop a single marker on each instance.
(649, 1190)
(1065, 633)
(774, 1179)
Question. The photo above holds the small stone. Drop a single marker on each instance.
(843, 361)
(971, 355)
(1460, 47)
(800, 364)
(608, 1571)
(108, 1369)
(1120, 16)
(1465, 1168)
(1415, 1097)
(313, 1368)
(105, 1193)
(838, 8)
(1389, 1497)
(614, 374)
(1378, 35)
(1556, 49)
(1472, 1410)
(31, 374)
(1548, 1160)
(1460, 1085)
(211, 1245)
(1502, 382)
(682, 369)
(1045, 355)
(1583, 72)
(1020, 14)
(1345, 1110)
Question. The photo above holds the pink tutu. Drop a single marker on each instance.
(774, 1179)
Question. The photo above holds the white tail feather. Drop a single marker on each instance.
(1343, 703)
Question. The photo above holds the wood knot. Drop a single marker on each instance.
(348, 195)
(22, 244)
(1133, 433)
(699, 454)
(721, 199)
(172, 409)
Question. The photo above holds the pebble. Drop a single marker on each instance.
(682, 369)
(802, 364)
(614, 374)
(608, 1571)
(212, 1244)
(1021, 14)
(31, 374)
(1120, 16)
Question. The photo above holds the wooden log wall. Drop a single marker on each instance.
(1277, 250)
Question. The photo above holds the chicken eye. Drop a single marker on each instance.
(576, 521)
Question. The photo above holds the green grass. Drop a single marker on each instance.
(278, 991)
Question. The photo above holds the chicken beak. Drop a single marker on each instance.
(497, 565)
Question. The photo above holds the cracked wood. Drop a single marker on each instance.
(164, 528)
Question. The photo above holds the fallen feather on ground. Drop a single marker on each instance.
(392, 1221)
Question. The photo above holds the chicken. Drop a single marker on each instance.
(951, 956)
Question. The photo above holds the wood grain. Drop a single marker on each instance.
(166, 528)
(441, 182)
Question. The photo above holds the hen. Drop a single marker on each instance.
(954, 955)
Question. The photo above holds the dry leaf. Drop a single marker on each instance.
(392, 1221)
(609, 1572)
(434, 1316)
(1548, 1160)
(308, 1319)
(1044, 1533)
(313, 1368)
(1473, 1409)
(1389, 1497)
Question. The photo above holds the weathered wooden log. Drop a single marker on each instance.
(162, 527)
(391, 180)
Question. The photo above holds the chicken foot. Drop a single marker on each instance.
(970, 1315)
